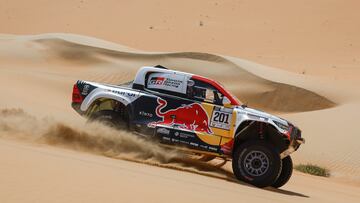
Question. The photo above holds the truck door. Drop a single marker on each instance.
(216, 128)
(164, 101)
(220, 118)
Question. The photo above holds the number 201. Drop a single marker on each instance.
(221, 117)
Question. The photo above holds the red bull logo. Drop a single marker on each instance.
(191, 117)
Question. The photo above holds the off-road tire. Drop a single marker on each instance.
(286, 172)
(257, 163)
(111, 118)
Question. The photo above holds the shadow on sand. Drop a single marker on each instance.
(206, 169)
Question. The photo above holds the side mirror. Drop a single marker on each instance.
(226, 102)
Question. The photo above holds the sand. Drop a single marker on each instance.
(315, 37)
(311, 77)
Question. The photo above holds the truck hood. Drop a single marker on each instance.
(257, 113)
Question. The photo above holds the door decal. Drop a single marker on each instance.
(190, 117)
(221, 118)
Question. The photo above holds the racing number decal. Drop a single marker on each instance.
(221, 118)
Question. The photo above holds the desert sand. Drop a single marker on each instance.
(310, 75)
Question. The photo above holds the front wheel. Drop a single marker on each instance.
(257, 163)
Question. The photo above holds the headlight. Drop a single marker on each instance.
(282, 126)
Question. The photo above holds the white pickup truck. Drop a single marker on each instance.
(192, 112)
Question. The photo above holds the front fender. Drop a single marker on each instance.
(244, 117)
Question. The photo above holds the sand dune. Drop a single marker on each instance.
(248, 87)
(311, 77)
(48, 65)
(311, 37)
(37, 73)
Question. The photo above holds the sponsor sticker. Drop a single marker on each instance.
(166, 138)
(184, 142)
(204, 146)
(174, 140)
(167, 81)
(128, 94)
(146, 114)
(186, 135)
(163, 131)
(190, 83)
(85, 89)
(194, 144)
(198, 119)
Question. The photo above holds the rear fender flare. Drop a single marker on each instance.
(100, 93)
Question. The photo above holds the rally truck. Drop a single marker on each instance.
(197, 114)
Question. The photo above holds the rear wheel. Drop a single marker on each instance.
(111, 118)
(286, 172)
(257, 163)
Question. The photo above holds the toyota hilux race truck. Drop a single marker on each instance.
(198, 114)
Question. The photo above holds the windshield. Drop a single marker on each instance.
(228, 92)
(220, 88)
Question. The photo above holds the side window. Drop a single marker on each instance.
(204, 92)
(210, 95)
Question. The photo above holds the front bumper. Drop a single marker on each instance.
(295, 141)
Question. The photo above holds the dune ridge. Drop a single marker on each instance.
(276, 97)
